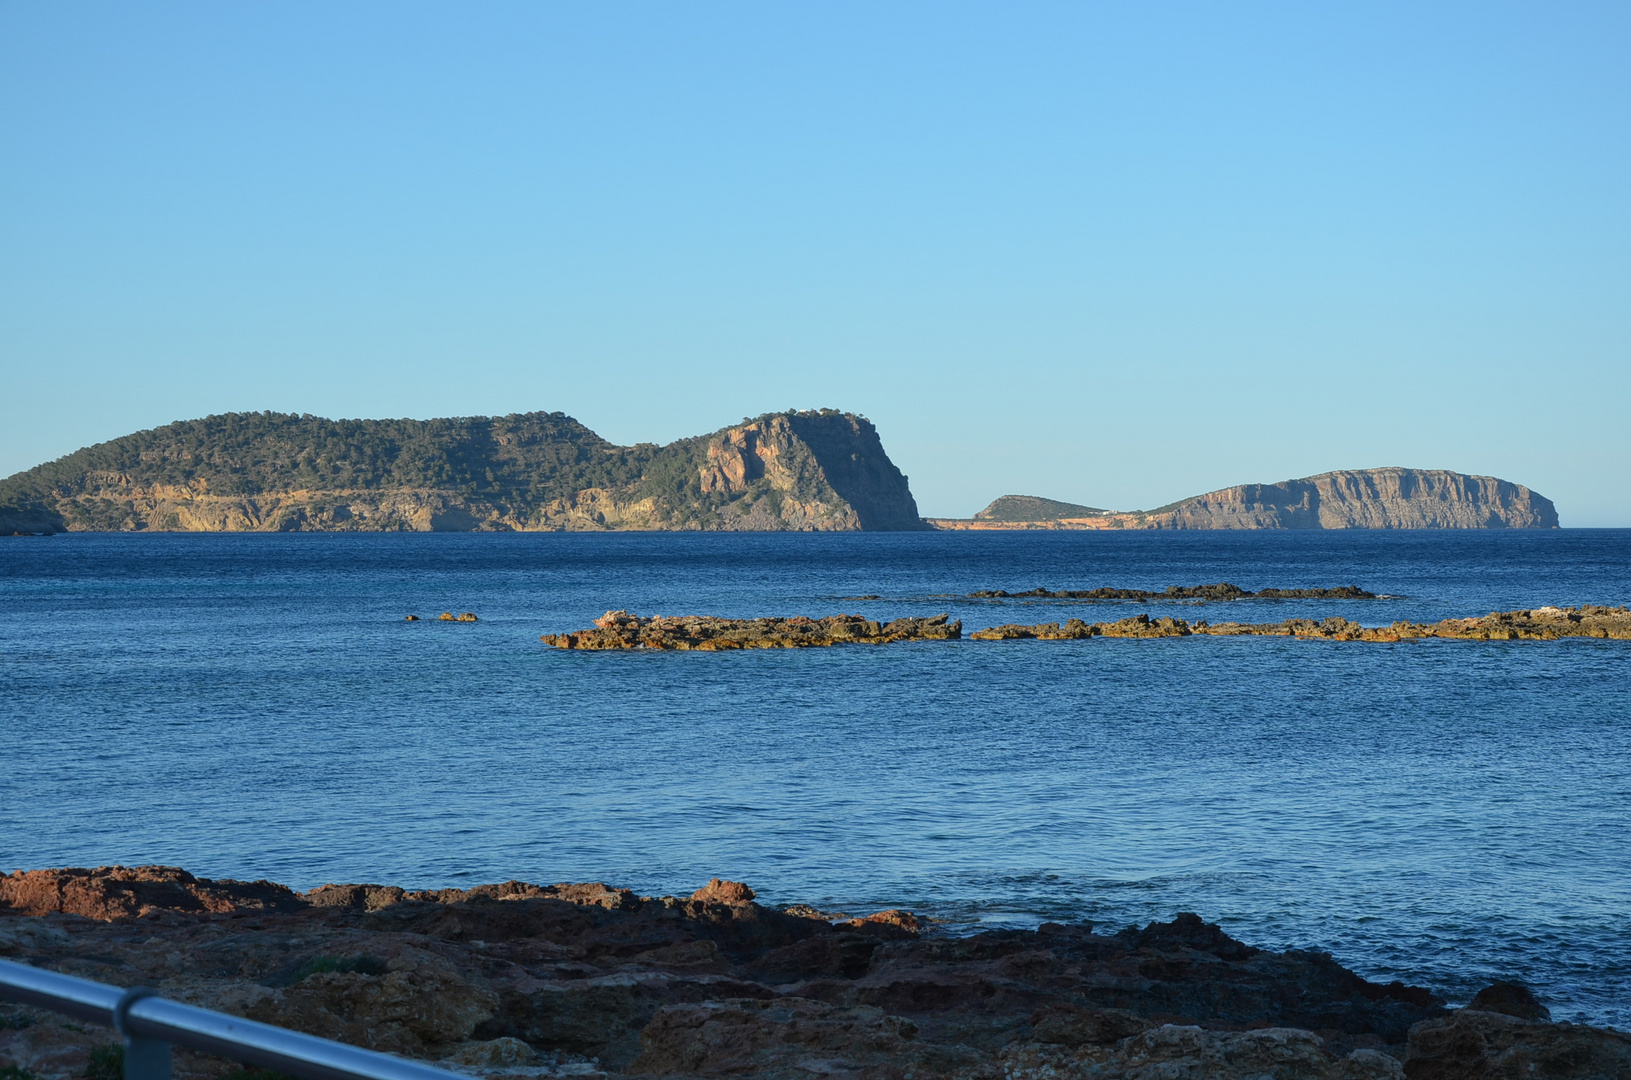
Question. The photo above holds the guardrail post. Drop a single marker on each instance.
(145, 1059)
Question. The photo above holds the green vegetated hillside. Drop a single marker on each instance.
(275, 472)
(1034, 508)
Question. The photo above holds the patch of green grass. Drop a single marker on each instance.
(16, 1072)
(15, 1022)
(107, 1063)
(362, 965)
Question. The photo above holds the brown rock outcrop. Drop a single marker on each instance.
(718, 891)
(118, 892)
(1535, 624)
(1138, 626)
(516, 979)
(620, 630)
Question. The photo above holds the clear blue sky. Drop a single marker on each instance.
(1115, 254)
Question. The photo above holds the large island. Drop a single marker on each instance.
(815, 470)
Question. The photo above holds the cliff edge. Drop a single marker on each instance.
(1387, 498)
(1390, 498)
(817, 470)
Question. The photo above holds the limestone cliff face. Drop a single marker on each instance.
(819, 470)
(1390, 498)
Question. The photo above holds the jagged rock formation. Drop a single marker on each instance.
(708, 633)
(814, 470)
(525, 981)
(1391, 498)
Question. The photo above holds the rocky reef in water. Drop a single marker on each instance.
(817, 470)
(1535, 624)
(1389, 498)
(620, 630)
(1220, 591)
(525, 981)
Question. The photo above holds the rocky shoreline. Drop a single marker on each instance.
(708, 633)
(524, 981)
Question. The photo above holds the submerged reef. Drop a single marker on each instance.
(521, 980)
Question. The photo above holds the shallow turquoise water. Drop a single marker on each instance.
(1441, 812)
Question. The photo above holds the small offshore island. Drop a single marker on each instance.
(526, 981)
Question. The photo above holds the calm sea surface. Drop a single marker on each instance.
(1446, 813)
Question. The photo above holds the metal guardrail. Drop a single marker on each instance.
(150, 1024)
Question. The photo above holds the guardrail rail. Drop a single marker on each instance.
(150, 1024)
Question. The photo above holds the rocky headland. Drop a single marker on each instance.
(817, 470)
(1388, 498)
(525, 981)
(620, 630)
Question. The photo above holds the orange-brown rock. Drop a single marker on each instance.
(718, 891)
(1138, 626)
(118, 892)
(620, 630)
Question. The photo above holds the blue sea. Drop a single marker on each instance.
(1446, 813)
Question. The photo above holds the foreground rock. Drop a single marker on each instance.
(520, 980)
(1537, 624)
(620, 630)
(1474, 1045)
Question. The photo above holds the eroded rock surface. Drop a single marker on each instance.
(521, 980)
(620, 630)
